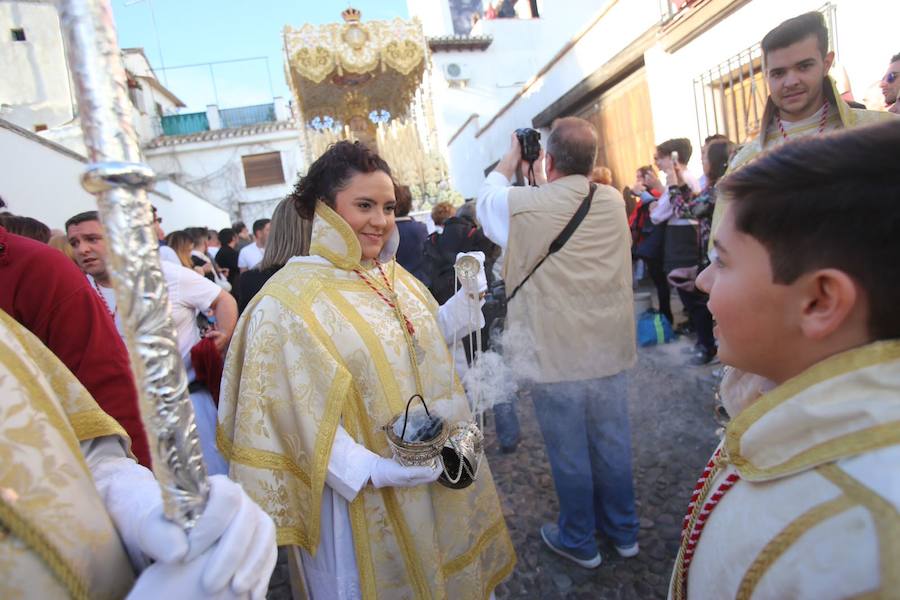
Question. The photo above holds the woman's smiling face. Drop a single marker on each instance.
(367, 204)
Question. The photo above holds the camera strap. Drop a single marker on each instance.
(563, 237)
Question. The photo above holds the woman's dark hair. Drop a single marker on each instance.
(404, 201)
(717, 154)
(331, 172)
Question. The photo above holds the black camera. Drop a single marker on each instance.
(530, 143)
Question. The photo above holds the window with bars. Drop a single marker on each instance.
(263, 169)
(730, 98)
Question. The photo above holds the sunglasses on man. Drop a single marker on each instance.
(891, 77)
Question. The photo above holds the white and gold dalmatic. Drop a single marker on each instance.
(56, 538)
(318, 348)
(803, 497)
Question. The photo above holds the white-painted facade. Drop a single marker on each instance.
(151, 100)
(197, 172)
(35, 90)
(42, 179)
(573, 40)
(210, 164)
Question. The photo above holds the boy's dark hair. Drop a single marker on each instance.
(894, 59)
(90, 215)
(718, 154)
(25, 226)
(198, 234)
(829, 202)
(226, 235)
(238, 226)
(680, 145)
(331, 172)
(797, 29)
(647, 170)
(260, 224)
(715, 137)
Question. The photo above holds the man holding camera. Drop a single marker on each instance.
(570, 328)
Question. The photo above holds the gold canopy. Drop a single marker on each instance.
(369, 82)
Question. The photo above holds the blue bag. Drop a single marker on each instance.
(653, 328)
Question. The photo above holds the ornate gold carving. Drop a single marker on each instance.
(342, 73)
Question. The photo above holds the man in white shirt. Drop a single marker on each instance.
(252, 254)
(570, 329)
(189, 294)
(88, 241)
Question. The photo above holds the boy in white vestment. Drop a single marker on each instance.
(801, 498)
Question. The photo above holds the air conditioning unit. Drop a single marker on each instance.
(456, 74)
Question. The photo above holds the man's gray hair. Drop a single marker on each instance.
(573, 145)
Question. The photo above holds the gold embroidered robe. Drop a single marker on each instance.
(317, 347)
(56, 538)
(816, 512)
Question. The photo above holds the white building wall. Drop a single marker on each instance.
(865, 44)
(474, 149)
(488, 87)
(214, 169)
(34, 87)
(181, 208)
(434, 15)
(41, 180)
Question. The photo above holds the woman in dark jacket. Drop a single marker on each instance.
(412, 236)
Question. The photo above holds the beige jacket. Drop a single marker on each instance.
(574, 319)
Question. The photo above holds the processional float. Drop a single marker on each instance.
(118, 177)
(370, 81)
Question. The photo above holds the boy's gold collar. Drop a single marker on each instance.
(835, 377)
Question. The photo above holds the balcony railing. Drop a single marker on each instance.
(247, 115)
(229, 118)
(185, 124)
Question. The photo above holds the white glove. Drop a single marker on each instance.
(387, 472)
(229, 553)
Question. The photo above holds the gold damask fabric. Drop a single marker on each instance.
(56, 539)
(317, 347)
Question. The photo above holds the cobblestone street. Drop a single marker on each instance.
(673, 434)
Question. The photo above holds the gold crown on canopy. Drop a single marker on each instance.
(351, 15)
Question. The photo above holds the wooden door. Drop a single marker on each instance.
(623, 119)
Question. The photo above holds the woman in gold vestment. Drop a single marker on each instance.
(325, 355)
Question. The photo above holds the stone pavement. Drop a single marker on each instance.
(673, 434)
